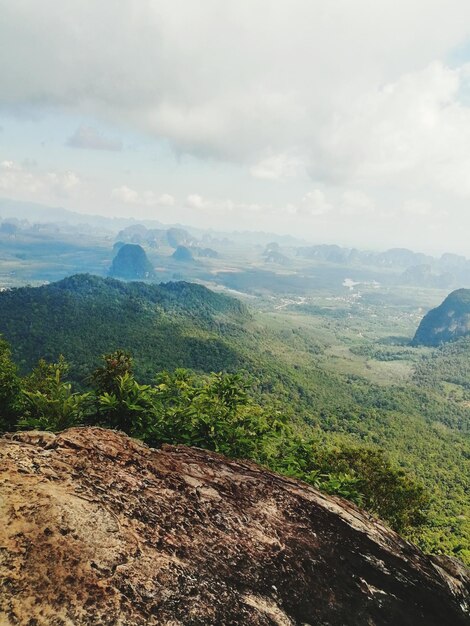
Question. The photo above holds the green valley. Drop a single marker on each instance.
(337, 368)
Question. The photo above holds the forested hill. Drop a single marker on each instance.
(183, 325)
(449, 321)
(168, 325)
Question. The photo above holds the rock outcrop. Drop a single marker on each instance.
(98, 529)
(131, 263)
(183, 254)
(447, 322)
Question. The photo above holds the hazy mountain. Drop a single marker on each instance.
(131, 263)
(272, 254)
(446, 322)
(179, 237)
(423, 276)
(183, 254)
(208, 253)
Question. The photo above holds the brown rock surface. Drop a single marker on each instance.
(100, 529)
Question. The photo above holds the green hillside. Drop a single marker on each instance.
(165, 326)
(422, 428)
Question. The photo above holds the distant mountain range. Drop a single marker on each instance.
(16, 211)
(425, 266)
(23, 219)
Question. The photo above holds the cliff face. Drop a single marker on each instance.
(131, 262)
(100, 529)
(449, 321)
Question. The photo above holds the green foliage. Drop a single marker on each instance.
(49, 402)
(301, 458)
(363, 475)
(130, 407)
(166, 326)
(105, 378)
(387, 491)
(10, 400)
(217, 412)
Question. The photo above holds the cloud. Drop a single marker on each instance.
(19, 179)
(314, 203)
(195, 201)
(126, 195)
(226, 207)
(228, 83)
(166, 199)
(277, 167)
(353, 202)
(364, 106)
(88, 138)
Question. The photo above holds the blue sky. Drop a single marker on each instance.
(337, 122)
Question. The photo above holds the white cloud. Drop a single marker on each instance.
(354, 202)
(16, 180)
(227, 83)
(166, 199)
(125, 194)
(225, 207)
(10, 166)
(148, 198)
(276, 167)
(88, 138)
(195, 201)
(362, 96)
(314, 203)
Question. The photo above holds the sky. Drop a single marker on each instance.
(334, 121)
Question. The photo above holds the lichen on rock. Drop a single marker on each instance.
(99, 529)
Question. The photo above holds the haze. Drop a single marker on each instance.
(344, 122)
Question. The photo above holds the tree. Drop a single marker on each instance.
(106, 378)
(50, 403)
(10, 387)
(388, 491)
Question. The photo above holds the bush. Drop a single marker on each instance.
(216, 412)
(49, 402)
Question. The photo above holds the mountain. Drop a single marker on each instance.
(131, 263)
(447, 322)
(100, 528)
(183, 254)
(272, 254)
(138, 233)
(186, 325)
(165, 326)
(423, 276)
(208, 253)
(40, 213)
(179, 237)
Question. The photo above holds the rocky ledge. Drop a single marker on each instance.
(99, 529)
